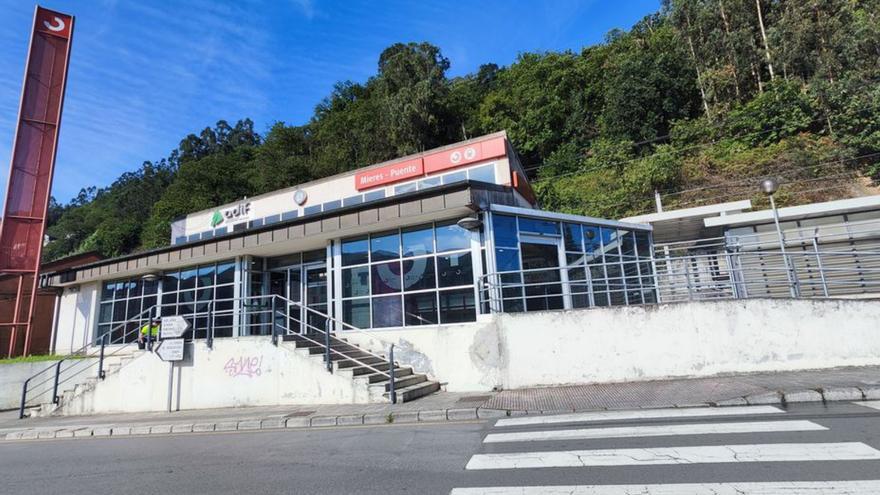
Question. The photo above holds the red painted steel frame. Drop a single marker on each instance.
(33, 162)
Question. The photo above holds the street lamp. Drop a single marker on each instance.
(769, 187)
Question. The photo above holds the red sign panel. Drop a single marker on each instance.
(388, 174)
(465, 155)
(51, 22)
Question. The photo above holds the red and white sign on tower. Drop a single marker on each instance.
(31, 170)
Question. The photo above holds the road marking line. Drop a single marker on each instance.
(686, 412)
(867, 487)
(655, 431)
(874, 404)
(774, 452)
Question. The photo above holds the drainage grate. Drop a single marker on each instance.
(474, 398)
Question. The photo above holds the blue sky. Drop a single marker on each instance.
(145, 74)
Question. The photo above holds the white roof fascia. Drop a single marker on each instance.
(699, 211)
(797, 212)
(565, 217)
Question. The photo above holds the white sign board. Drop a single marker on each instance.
(173, 327)
(170, 350)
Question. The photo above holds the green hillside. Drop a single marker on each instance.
(693, 101)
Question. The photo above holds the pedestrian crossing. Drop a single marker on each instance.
(873, 404)
(578, 446)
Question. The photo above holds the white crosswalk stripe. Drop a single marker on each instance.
(772, 452)
(686, 412)
(655, 431)
(874, 404)
(869, 487)
(510, 451)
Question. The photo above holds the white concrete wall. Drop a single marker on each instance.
(13, 375)
(644, 343)
(246, 371)
(519, 350)
(76, 313)
(466, 357)
(688, 340)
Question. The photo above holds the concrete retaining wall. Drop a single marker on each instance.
(12, 377)
(518, 350)
(247, 371)
(644, 343)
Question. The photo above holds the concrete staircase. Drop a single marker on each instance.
(365, 367)
(80, 384)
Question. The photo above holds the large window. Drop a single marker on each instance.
(414, 276)
(125, 307)
(190, 291)
(603, 265)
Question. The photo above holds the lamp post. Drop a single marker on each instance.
(769, 187)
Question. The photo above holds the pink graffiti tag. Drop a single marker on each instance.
(244, 366)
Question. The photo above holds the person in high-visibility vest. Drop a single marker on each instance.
(150, 328)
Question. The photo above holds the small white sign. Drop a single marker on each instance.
(173, 327)
(170, 350)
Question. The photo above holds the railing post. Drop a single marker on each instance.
(327, 345)
(392, 393)
(23, 398)
(687, 274)
(272, 322)
(55, 385)
(209, 332)
(101, 358)
(821, 268)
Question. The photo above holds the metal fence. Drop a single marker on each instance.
(841, 261)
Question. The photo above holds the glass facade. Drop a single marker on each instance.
(422, 275)
(124, 308)
(548, 264)
(427, 274)
(192, 292)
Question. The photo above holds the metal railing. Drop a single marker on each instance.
(698, 276)
(80, 361)
(275, 316)
(258, 315)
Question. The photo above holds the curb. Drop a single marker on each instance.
(780, 398)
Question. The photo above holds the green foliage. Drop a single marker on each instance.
(691, 101)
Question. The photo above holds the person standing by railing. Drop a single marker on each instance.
(151, 329)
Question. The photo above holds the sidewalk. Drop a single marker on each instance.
(761, 388)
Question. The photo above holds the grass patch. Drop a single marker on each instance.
(36, 358)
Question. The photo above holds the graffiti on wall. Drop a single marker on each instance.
(244, 366)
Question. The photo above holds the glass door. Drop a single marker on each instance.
(314, 286)
(541, 273)
(306, 288)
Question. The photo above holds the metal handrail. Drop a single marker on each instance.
(80, 358)
(326, 331)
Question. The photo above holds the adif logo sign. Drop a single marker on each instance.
(239, 212)
(57, 24)
(217, 219)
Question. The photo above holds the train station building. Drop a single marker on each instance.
(441, 270)
(417, 241)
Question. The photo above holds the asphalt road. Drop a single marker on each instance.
(746, 449)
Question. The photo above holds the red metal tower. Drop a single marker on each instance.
(31, 169)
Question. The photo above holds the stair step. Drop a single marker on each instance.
(363, 370)
(413, 392)
(401, 383)
(381, 377)
(343, 362)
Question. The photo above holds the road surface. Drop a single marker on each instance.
(751, 450)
